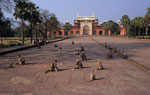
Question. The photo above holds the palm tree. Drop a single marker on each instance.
(125, 22)
(147, 16)
(21, 13)
(142, 24)
(33, 16)
(135, 22)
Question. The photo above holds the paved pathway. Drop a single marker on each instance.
(119, 77)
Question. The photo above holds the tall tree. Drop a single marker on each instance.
(147, 15)
(49, 23)
(5, 26)
(43, 26)
(33, 16)
(53, 25)
(67, 27)
(142, 25)
(125, 22)
(106, 26)
(21, 13)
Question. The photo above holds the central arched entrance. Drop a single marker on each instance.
(86, 30)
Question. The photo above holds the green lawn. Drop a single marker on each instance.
(13, 41)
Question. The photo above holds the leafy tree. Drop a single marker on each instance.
(112, 26)
(142, 25)
(27, 31)
(147, 15)
(67, 27)
(53, 25)
(125, 22)
(43, 26)
(49, 23)
(106, 26)
(33, 16)
(5, 27)
(21, 12)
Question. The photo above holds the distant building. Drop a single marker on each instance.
(86, 25)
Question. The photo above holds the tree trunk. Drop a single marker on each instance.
(22, 29)
(135, 32)
(36, 37)
(143, 32)
(31, 33)
(138, 32)
(146, 31)
(52, 36)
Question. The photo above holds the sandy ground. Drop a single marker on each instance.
(118, 78)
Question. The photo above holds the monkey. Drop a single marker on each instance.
(21, 60)
(124, 55)
(52, 67)
(114, 50)
(79, 64)
(92, 75)
(10, 66)
(100, 66)
(83, 56)
(55, 46)
(73, 43)
(110, 54)
(82, 48)
(60, 51)
(77, 52)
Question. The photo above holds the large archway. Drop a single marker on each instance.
(60, 32)
(86, 30)
(100, 32)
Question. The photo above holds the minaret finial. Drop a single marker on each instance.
(78, 14)
(93, 14)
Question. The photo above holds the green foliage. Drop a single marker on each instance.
(5, 27)
(112, 26)
(27, 31)
(147, 15)
(125, 21)
(49, 23)
(67, 27)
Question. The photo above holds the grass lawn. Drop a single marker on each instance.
(13, 41)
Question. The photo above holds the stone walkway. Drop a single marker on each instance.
(119, 78)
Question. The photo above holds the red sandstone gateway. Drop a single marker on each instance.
(87, 25)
